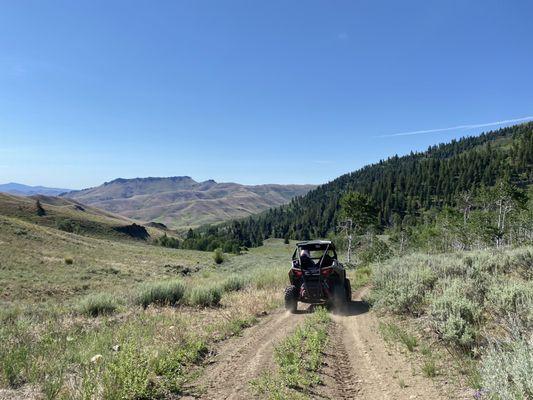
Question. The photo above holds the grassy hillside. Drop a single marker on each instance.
(52, 263)
(72, 216)
(182, 202)
(74, 330)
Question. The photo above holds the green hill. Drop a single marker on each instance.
(72, 216)
(399, 187)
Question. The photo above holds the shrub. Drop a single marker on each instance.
(233, 283)
(98, 304)
(69, 261)
(401, 286)
(68, 225)
(161, 293)
(512, 299)
(454, 315)
(168, 241)
(506, 370)
(204, 296)
(218, 256)
(127, 376)
(429, 368)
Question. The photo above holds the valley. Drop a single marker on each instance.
(441, 306)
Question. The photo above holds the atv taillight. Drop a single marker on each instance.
(326, 271)
(297, 272)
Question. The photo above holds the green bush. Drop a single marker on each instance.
(68, 225)
(161, 293)
(69, 261)
(454, 314)
(218, 256)
(401, 285)
(507, 370)
(512, 299)
(204, 296)
(98, 304)
(127, 376)
(168, 241)
(233, 283)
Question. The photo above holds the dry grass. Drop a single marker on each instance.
(57, 317)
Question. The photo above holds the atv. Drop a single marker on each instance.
(317, 277)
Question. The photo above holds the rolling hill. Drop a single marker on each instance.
(182, 202)
(71, 216)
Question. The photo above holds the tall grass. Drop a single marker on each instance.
(204, 296)
(98, 304)
(161, 293)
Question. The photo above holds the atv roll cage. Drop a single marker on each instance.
(312, 246)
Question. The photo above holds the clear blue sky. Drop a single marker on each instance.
(249, 91)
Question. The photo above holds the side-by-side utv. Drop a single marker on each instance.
(317, 277)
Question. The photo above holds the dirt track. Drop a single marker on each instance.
(358, 364)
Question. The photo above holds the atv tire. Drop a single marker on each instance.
(348, 289)
(339, 297)
(291, 298)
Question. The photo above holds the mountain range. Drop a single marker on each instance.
(180, 201)
(19, 189)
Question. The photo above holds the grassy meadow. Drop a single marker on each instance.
(91, 317)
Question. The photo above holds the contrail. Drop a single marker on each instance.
(507, 121)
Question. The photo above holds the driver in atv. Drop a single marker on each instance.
(305, 260)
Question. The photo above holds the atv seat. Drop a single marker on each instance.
(326, 261)
(307, 263)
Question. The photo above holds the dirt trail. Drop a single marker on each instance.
(358, 363)
(241, 359)
(375, 371)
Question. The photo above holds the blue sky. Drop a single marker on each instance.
(249, 91)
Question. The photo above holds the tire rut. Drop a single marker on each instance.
(376, 372)
(338, 375)
(242, 359)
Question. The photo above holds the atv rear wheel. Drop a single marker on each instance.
(348, 288)
(291, 298)
(339, 297)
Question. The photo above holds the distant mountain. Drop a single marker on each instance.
(180, 201)
(25, 190)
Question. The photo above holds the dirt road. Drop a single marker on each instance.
(358, 363)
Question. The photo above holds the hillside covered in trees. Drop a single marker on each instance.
(404, 191)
